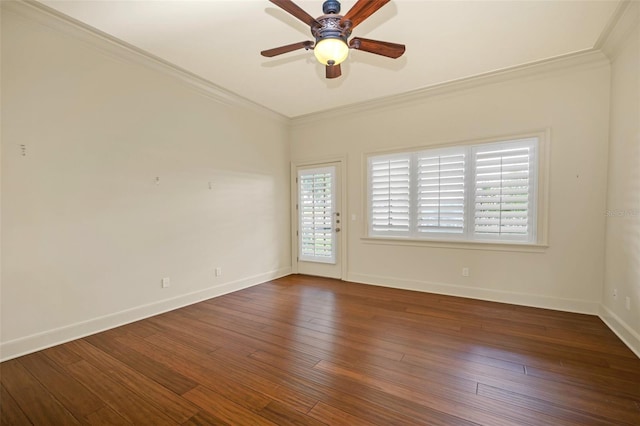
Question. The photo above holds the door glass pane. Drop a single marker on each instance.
(316, 215)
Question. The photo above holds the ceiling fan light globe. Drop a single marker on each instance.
(333, 50)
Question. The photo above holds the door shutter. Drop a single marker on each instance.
(316, 204)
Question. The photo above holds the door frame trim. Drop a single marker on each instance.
(342, 166)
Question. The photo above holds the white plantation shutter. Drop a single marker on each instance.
(389, 194)
(468, 193)
(316, 204)
(504, 176)
(441, 191)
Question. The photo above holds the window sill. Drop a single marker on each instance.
(461, 245)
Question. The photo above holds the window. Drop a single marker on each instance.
(484, 192)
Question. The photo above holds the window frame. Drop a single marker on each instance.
(538, 197)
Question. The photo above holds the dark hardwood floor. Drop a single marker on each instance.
(312, 351)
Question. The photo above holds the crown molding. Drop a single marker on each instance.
(624, 21)
(115, 47)
(581, 59)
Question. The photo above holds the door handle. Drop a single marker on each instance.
(337, 229)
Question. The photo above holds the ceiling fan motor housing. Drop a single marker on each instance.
(330, 28)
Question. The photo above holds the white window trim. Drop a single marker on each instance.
(540, 199)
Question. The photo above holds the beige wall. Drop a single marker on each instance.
(572, 102)
(622, 264)
(87, 232)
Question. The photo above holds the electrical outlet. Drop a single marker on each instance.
(218, 271)
(627, 303)
(465, 272)
(166, 282)
(615, 294)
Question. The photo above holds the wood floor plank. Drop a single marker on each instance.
(202, 370)
(106, 416)
(626, 387)
(336, 417)
(200, 335)
(240, 386)
(375, 406)
(61, 355)
(225, 409)
(546, 408)
(552, 391)
(172, 405)
(202, 418)
(32, 398)
(71, 393)
(133, 407)
(140, 328)
(10, 412)
(167, 377)
(398, 345)
(282, 415)
(467, 407)
(309, 350)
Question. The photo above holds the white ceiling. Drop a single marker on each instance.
(446, 40)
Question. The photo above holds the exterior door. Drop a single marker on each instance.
(319, 220)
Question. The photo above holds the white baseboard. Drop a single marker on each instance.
(533, 300)
(621, 329)
(25, 345)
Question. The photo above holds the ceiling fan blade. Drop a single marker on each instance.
(296, 11)
(288, 48)
(384, 48)
(362, 10)
(333, 71)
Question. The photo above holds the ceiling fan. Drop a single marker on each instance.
(332, 32)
